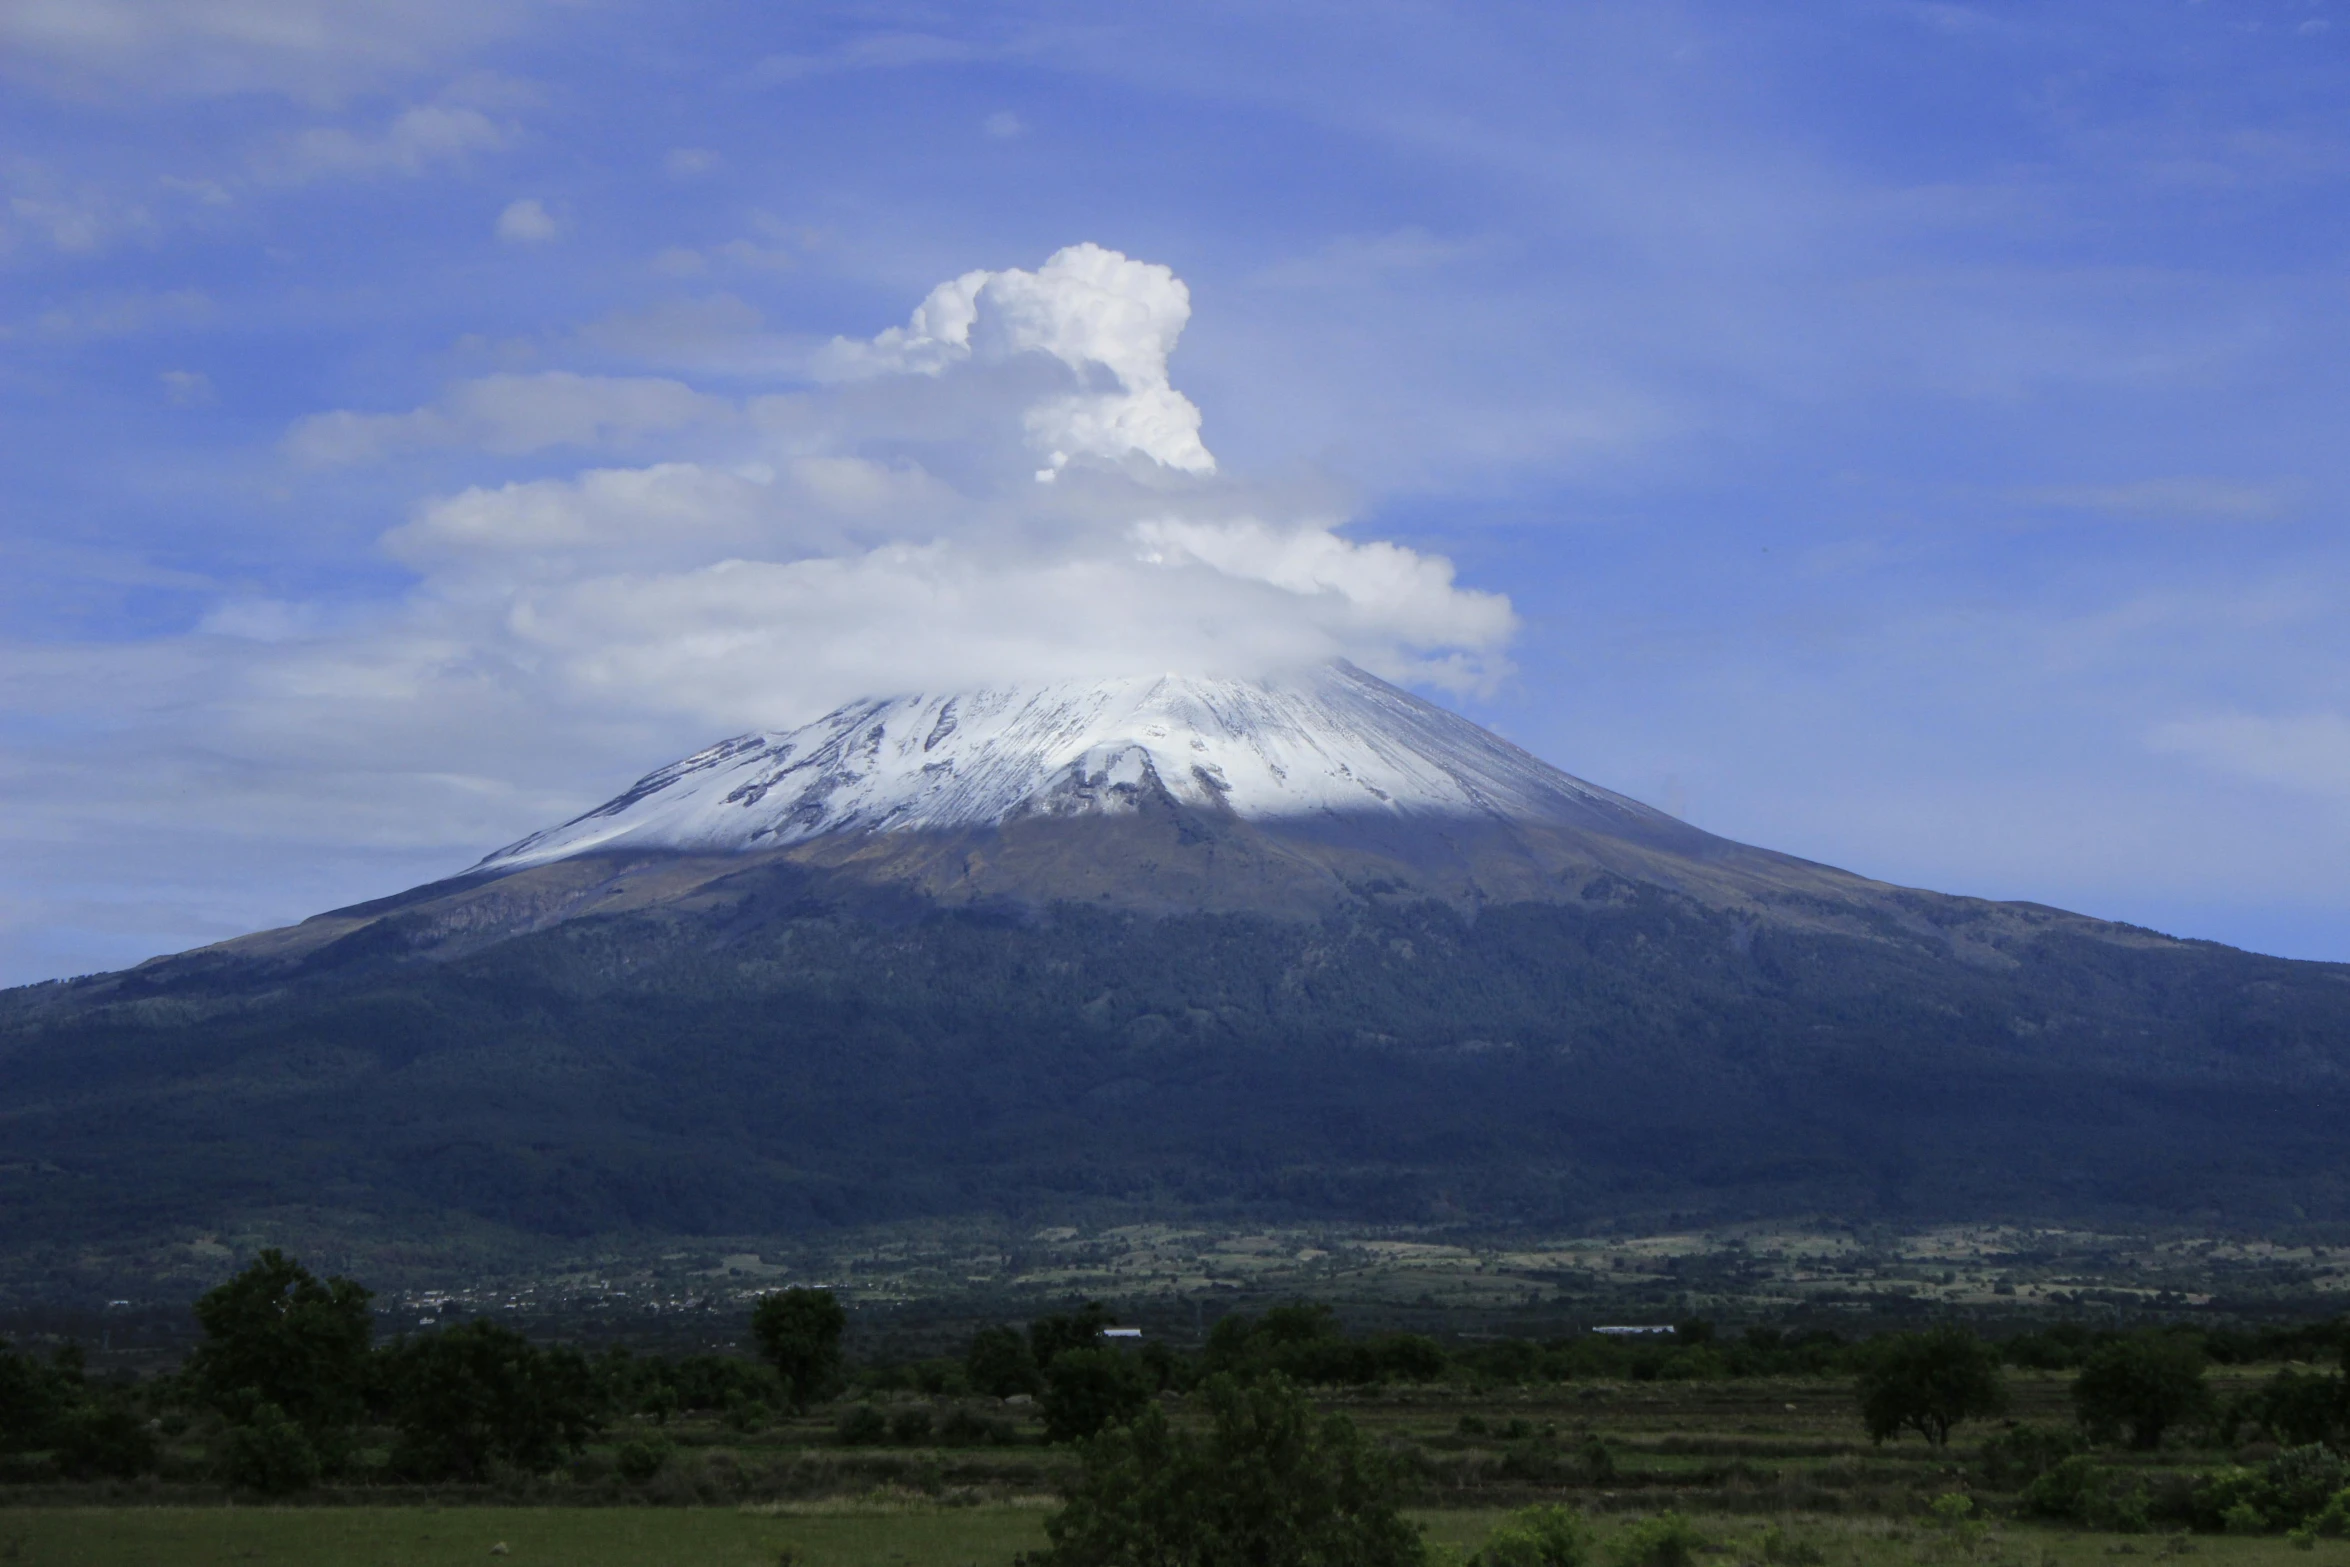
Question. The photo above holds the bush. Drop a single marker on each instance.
(1782, 1549)
(1666, 1540)
(33, 1396)
(468, 1397)
(910, 1427)
(2064, 1489)
(105, 1439)
(640, 1458)
(2144, 1383)
(2298, 1409)
(2223, 1491)
(1268, 1481)
(862, 1426)
(268, 1452)
(2021, 1454)
(2333, 1520)
(1537, 1537)
(961, 1428)
(1000, 1364)
(2302, 1480)
(1088, 1390)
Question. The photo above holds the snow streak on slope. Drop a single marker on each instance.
(1329, 741)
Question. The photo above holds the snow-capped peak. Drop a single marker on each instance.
(1331, 741)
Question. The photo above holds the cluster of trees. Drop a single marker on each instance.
(2133, 1386)
(294, 1389)
(2133, 1390)
(292, 1382)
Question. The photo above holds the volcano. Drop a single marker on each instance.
(1164, 946)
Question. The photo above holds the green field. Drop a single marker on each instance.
(838, 1535)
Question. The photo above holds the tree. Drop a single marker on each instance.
(275, 1334)
(105, 1437)
(1268, 1484)
(32, 1397)
(1928, 1382)
(1079, 1329)
(2296, 1409)
(799, 1332)
(2147, 1382)
(1087, 1390)
(468, 1397)
(1000, 1364)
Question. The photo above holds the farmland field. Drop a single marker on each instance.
(847, 1535)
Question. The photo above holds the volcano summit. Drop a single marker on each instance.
(1307, 946)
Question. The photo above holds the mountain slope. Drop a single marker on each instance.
(1297, 798)
(1310, 948)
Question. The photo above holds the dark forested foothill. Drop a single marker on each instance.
(795, 1067)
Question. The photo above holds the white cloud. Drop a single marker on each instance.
(2309, 752)
(415, 141)
(690, 163)
(886, 51)
(2186, 498)
(1098, 313)
(1003, 125)
(513, 414)
(758, 563)
(188, 389)
(127, 315)
(527, 222)
(310, 49)
(883, 529)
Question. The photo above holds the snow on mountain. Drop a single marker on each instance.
(1331, 741)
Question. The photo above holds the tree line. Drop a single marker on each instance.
(294, 1387)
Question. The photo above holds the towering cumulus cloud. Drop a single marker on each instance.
(1007, 487)
(1102, 315)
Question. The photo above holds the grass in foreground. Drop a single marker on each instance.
(852, 1534)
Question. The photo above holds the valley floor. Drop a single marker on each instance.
(850, 1535)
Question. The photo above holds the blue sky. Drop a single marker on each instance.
(1911, 436)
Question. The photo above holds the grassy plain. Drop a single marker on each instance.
(853, 1535)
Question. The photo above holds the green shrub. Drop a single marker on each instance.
(2062, 1490)
(1782, 1549)
(2333, 1520)
(479, 1396)
(1086, 1391)
(910, 1427)
(1269, 1480)
(2244, 1518)
(2222, 1491)
(2017, 1456)
(2118, 1508)
(1666, 1540)
(105, 1439)
(862, 1426)
(269, 1452)
(640, 1458)
(2079, 1490)
(2302, 1481)
(1537, 1537)
(961, 1428)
